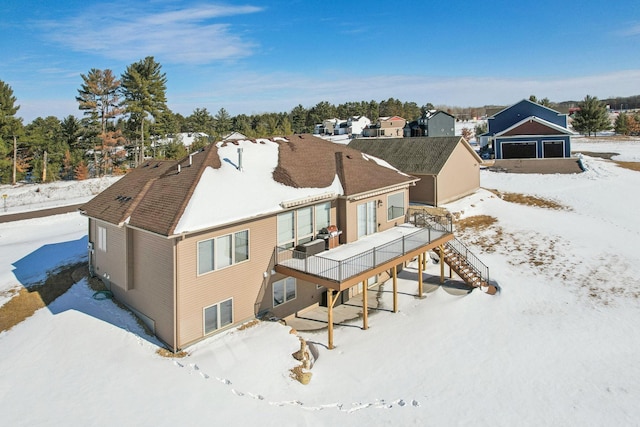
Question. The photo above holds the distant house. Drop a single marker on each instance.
(528, 130)
(431, 123)
(248, 228)
(331, 127)
(356, 124)
(392, 127)
(448, 167)
(233, 136)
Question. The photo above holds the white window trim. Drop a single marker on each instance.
(389, 206)
(284, 282)
(204, 319)
(314, 224)
(102, 238)
(233, 252)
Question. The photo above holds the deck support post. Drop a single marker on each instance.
(395, 289)
(365, 306)
(441, 264)
(420, 255)
(330, 301)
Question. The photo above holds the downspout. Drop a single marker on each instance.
(435, 190)
(175, 296)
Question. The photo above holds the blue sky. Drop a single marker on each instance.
(269, 56)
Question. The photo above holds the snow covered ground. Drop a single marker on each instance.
(558, 346)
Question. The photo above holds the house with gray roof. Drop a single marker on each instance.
(448, 167)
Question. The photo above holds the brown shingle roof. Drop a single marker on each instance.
(154, 196)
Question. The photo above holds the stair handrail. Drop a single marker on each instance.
(421, 218)
(480, 268)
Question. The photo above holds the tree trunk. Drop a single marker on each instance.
(44, 167)
(15, 159)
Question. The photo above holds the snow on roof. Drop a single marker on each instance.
(237, 194)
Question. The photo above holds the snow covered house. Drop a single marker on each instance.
(243, 229)
(528, 130)
(356, 124)
(448, 167)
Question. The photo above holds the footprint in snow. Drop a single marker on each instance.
(203, 375)
(224, 380)
(358, 406)
(236, 392)
(286, 402)
(194, 366)
(178, 364)
(256, 396)
(415, 403)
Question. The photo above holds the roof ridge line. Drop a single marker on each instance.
(212, 150)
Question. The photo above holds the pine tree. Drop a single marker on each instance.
(592, 117)
(10, 130)
(222, 123)
(621, 125)
(99, 99)
(144, 88)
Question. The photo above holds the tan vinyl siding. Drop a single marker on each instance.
(151, 290)
(350, 209)
(424, 190)
(109, 265)
(307, 294)
(241, 281)
(459, 177)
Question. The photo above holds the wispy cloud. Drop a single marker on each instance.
(255, 93)
(190, 36)
(630, 31)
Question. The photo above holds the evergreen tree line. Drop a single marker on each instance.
(126, 117)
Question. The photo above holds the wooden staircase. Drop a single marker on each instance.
(467, 266)
(461, 260)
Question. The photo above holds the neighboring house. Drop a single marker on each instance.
(386, 126)
(356, 124)
(198, 245)
(528, 130)
(329, 127)
(432, 123)
(448, 167)
(234, 136)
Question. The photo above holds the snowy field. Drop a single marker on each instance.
(557, 347)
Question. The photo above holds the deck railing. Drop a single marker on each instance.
(340, 270)
(473, 261)
(421, 218)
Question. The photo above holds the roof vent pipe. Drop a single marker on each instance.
(240, 159)
(178, 168)
(190, 159)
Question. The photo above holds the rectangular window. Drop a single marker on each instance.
(395, 206)
(205, 256)
(286, 232)
(304, 226)
(366, 213)
(241, 246)
(102, 239)
(323, 216)
(218, 316)
(284, 291)
(223, 251)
